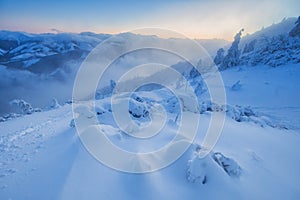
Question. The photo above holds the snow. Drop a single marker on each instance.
(43, 158)
(275, 29)
(256, 156)
(266, 89)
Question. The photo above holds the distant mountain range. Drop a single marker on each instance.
(45, 53)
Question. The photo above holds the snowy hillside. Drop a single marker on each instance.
(255, 158)
(281, 28)
(273, 46)
(61, 137)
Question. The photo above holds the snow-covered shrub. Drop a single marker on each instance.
(24, 106)
(138, 107)
(211, 107)
(229, 165)
(240, 113)
(196, 82)
(202, 169)
(54, 104)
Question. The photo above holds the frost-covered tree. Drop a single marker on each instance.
(249, 46)
(219, 57)
(295, 32)
(233, 55)
(273, 51)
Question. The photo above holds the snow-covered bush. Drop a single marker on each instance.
(201, 169)
(229, 165)
(24, 106)
(210, 106)
(54, 104)
(138, 107)
(239, 114)
(196, 82)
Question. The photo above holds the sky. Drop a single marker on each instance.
(193, 18)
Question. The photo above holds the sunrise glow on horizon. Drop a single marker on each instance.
(196, 19)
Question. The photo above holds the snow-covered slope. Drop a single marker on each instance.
(273, 46)
(43, 158)
(281, 28)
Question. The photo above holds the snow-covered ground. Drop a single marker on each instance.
(256, 157)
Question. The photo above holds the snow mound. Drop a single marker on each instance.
(201, 169)
(138, 107)
(229, 165)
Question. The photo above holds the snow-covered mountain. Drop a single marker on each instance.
(42, 53)
(281, 28)
(273, 46)
(45, 53)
